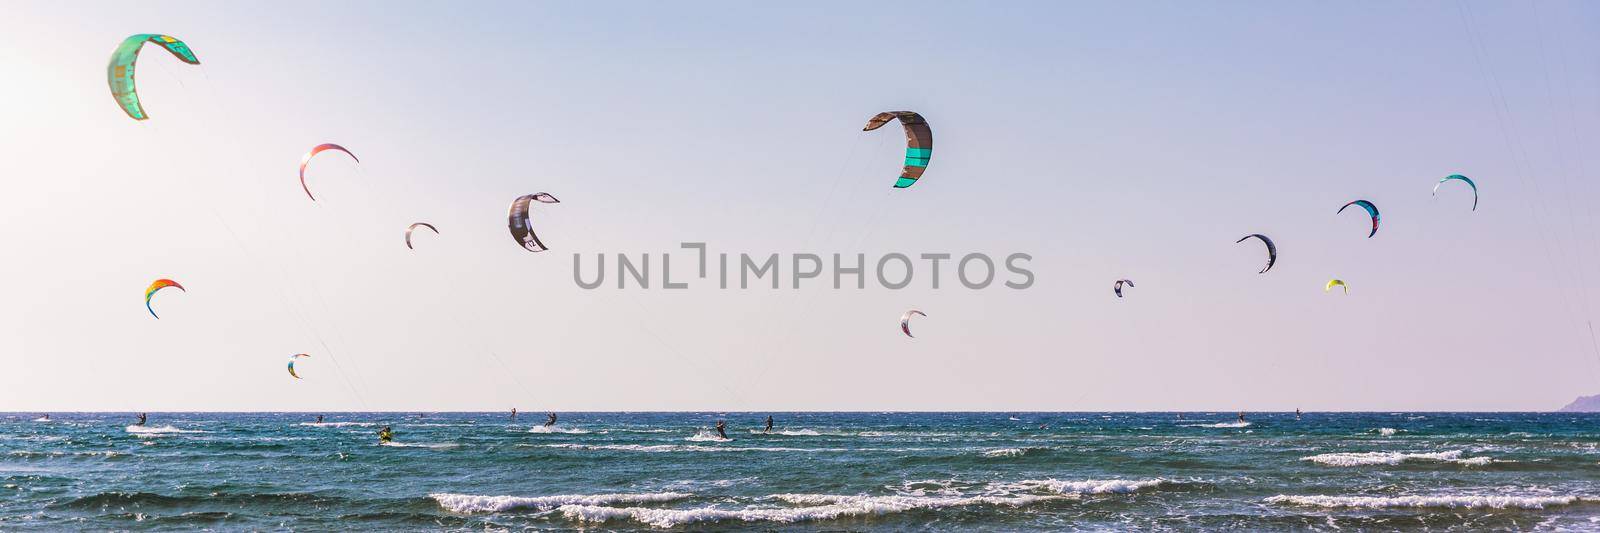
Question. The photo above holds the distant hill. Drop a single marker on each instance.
(1584, 404)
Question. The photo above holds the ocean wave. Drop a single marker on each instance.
(554, 429)
(1085, 487)
(26, 453)
(159, 430)
(1444, 501)
(1394, 458)
(661, 448)
(1387, 432)
(337, 424)
(706, 435)
(468, 503)
(148, 500)
(788, 432)
(1013, 452)
(1218, 425)
(433, 445)
(815, 507)
(1005, 452)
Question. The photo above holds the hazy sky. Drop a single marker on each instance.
(1108, 140)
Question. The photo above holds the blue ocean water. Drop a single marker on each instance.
(816, 471)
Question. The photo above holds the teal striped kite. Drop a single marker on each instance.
(1462, 178)
(919, 143)
(119, 74)
(1372, 211)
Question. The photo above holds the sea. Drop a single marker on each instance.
(813, 471)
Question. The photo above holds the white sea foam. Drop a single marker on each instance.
(706, 435)
(788, 432)
(1387, 432)
(1394, 458)
(1085, 487)
(1005, 452)
(1218, 425)
(663, 448)
(555, 429)
(42, 419)
(25, 453)
(1442, 501)
(468, 503)
(337, 424)
(159, 430)
(434, 445)
(815, 507)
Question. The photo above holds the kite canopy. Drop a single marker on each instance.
(156, 286)
(414, 226)
(919, 143)
(1272, 249)
(119, 74)
(1117, 287)
(905, 321)
(1336, 283)
(1460, 178)
(521, 224)
(291, 364)
(307, 159)
(1372, 210)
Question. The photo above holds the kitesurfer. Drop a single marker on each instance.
(386, 434)
(513, 414)
(722, 427)
(1297, 413)
(549, 419)
(1241, 416)
(319, 419)
(142, 418)
(769, 425)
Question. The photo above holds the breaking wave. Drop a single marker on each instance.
(1394, 458)
(468, 503)
(1444, 501)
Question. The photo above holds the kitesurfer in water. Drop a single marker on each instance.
(1241, 416)
(319, 419)
(513, 414)
(1297, 413)
(142, 418)
(550, 419)
(722, 427)
(769, 425)
(385, 435)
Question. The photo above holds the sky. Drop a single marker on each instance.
(1106, 140)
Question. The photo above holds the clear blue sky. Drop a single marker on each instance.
(1109, 140)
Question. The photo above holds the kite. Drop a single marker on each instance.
(156, 286)
(1272, 249)
(413, 227)
(919, 143)
(1371, 210)
(521, 222)
(291, 364)
(119, 74)
(905, 321)
(313, 152)
(1462, 178)
(1117, 288)
(1336, 283)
